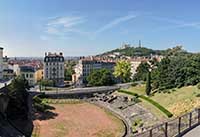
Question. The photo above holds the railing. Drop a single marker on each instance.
(175, 127)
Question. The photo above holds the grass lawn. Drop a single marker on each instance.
(177, 101)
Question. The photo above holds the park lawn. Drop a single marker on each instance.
(140, 89)
(179, 95)
(177, 101)
(155, 111)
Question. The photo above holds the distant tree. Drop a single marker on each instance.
(175, 51)
(101, 77)
(69, 70)
(46, 83)
(141, 72)
(123, 70)
(148, 83)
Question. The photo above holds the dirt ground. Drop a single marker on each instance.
(80, 120)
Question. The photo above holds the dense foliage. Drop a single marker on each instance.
(40, 104)
(148, 84)
(147, 52)
(177, 71)
(141, 72)
(18, 95)
(101, 77)
(179, 68)
(123, 70)
(69, 70)
(46, 83)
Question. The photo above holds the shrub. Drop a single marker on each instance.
(161, 108)
(198, 95)
(137, 123)
(134, 84)
(136, 99)
(41, 104)
(198, 86)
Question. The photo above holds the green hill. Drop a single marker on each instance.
(130, 51)
(136, 51)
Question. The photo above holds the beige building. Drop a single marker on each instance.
(39, 74)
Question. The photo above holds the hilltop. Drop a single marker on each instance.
(131, 51)
(127, 50)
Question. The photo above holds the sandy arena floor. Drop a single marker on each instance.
(81, 120)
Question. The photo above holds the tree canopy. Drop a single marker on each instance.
(18, 95)
(123, 70)
(101, 77)
(177, 71)
(141, 72)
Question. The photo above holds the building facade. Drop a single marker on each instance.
(1, 63)
(28, 72)
(54, 68)
(39, 74)
(86, 66)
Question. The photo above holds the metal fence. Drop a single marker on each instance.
(175, 127)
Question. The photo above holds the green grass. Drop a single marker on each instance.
(179, 95)
(170, 98)
(161, 108)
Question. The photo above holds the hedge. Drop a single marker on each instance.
(161, 108)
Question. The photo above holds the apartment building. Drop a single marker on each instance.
(1, 63)
(86, 66)
(54, 68)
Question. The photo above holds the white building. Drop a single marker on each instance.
(54, 68)
(28, 72)
(86, 66)
(1, 63)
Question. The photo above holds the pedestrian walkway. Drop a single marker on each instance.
(193, 133)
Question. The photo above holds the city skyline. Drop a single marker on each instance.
(31, 28)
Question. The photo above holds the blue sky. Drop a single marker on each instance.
(88, 27)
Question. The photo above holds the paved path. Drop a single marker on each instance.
(193, 133)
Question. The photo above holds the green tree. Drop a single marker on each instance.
(148, 83)
(18, 95)
(101, 77)
(69, 69)
(46, 83)
(141, 72)
(123, 70)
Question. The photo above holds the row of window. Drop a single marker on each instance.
(27, 75)
(53, 63)
(49, 59)
(55, 69)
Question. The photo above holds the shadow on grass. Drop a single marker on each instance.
(45, 114)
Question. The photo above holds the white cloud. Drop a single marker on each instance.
(66, 22)
(62, 25)
(115, 22)
(176, 23)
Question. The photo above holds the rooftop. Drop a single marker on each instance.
(27, 69)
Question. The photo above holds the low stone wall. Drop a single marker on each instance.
(80, 93)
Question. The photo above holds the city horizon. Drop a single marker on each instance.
(74, 56)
